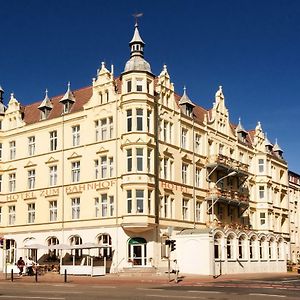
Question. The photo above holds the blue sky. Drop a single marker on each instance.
(251, 48)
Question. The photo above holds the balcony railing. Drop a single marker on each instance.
(226, 161)
(228, 196)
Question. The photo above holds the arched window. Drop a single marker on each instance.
(31, 253)
(105, 241)
(280, 249)
(242, 247)
(230, 247)
(76, 240)
(52, 241)
(253, 249)
(217, 246)
(272, 248)
(262, 248)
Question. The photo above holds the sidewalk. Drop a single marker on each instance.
(143, 279)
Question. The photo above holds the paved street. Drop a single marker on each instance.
(286, 286)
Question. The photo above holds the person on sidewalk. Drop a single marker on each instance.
(20, 265)
(30, 265)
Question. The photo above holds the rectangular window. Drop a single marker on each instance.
(198, 211)
(31, 179)
(148, 120)
(139, 119)
(165, 168)
(129, 120)
(31, 212)
(184, 173)
(111, 166)
(0, 150)
(149, 154)
(96, 167)
(97, 209)
(129, 160)
(103, 166)
(53, 211)
(53, 175)
(140, 201)
(262, 217)
(97, 130)
(110, 127)
(129, 201)
(0, 183)
(183, 138)
(139, 85)
(12, 149)
(104, 205)
(185, 209)
(76, 135)
(75, 208)
(103, 129)
(31, 145)
(139, 159)
(12, 215)
(198, 177)
(170, 132)
(76, 171)
(261, 192)
(129, 86)
(165, 131)
(111, 205)
(53, 140)
(261, 165)
(198, 143)
(12, 182)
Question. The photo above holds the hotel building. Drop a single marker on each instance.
(129, 163)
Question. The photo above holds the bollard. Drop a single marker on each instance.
(12, 275)
(36, 275)
(65, 275)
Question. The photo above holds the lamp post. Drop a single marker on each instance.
(215, 197)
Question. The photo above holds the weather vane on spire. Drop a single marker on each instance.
(136, 16)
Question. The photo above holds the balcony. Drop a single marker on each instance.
(235, 198)
(223, 162)
(138, 223)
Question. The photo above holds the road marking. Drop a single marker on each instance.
(149, 289)
(205, 292)
(270, 295)
(27, 297)
(105, 286)
(57, 292)
(170, 297)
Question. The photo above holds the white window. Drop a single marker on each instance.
(97, 130)
(53, 140)
(253, 254)
(217, 246)
(184, 173)
(12, 149)
(170, 132)
(184, 138)
(104, 205)
(0, 183)
(97, 209)
(12, 215)
(53, 175)
(185, 209)
(149, 155)
(31, 212)
(261, 192)
(111, 205)
(12, 182)
(149, 120)
(129, 160)
(0, 150)
(198, 211)
(242, 247)
(198, 143)
(76, 171)
(165, 131)
(103, 166)
(31, 145)
(111, 166)
(262, 217)
(165, 168)
(75, 208)
(31, 179)
(139, 159)
(140, 201)
(198, 177)
(165, 206)
(230, 247)
(76, 135)
(129, 120)
(261, 165)
(103, 129)
(53, 211)
(139, 85)
(67, 107)
(110, 127)
(96, 167)
(129, 201)
(139, 119)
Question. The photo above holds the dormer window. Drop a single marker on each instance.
(67, 100)
(44, 114)
(189, 111)
(67, 107)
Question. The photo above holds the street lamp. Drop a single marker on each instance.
(215, 198)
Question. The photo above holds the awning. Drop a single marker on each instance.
(137, 240)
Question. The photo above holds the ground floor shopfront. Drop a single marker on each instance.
(204, 251)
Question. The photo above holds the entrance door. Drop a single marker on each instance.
(138, 251)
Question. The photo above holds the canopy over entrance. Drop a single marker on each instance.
(137, 240)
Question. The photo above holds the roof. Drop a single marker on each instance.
(32, 113)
